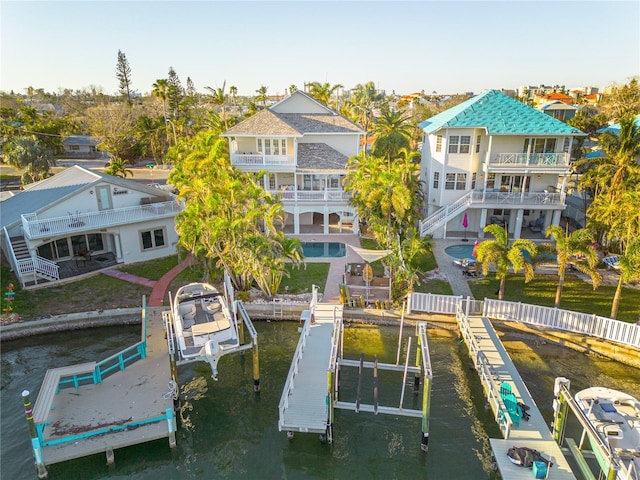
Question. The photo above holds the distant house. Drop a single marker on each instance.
(303, 146)
(559, 110)
(553, 97)
(80, 146)
(81, 220)
(498, 161)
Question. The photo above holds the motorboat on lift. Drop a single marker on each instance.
(616, 417)
(203, 328)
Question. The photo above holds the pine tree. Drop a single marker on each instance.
(123, 73)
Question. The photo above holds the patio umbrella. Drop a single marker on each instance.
(465, 224)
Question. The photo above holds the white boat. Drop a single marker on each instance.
(203, 326)
(616, 417)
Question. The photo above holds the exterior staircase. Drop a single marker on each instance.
(444, 214)
(30, 269)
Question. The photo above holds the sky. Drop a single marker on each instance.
(403, 47)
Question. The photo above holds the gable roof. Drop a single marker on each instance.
(499, 114)
(557, 105)
(39, 195)
(84, 140)
(270, 122)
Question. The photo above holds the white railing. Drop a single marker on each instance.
(431, 303)
(582, 323)
(78, 222)
(312, 195)
(11, 256)
(519, 198)
(530, 159)
(431, 223)
(39, 265)
(258, 160)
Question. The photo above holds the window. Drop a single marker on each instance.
(271, 146)
(474, 175)
(436, 179)
(491, 181)
(75, 147)
(455, 181)
(478, 144)
(439, 143)
(152, 238)
(567, 144)
(459, 144)
(450, 181)
(539, 145)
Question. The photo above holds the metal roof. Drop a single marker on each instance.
(83, 140)
(499, 114)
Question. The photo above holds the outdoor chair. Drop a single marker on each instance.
(537, 225)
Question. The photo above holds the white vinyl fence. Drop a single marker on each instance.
(565, 320)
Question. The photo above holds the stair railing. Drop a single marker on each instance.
(429, 224)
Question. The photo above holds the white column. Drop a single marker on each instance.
(483, 222)
(517, 228)
(118, 247)
(326, 220)
(296, 220)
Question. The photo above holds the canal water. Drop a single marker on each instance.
(228, 431)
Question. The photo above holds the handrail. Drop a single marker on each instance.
(293, 370)
(37, 264)
(429, 224)
(12, 258)
(77, 222)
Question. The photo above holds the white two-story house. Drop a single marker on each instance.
(80, 220)
(497, 161)
(303, 147)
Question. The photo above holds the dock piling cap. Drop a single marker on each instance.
(25, 393)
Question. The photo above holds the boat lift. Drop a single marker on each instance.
(241, 320)
(422, 369)
(611, 465)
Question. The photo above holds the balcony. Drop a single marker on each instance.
(290, 195)
(531, 200)
(256, 161)
(82, 222)
(529, 160)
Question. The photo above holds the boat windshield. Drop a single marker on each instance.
(197, 295)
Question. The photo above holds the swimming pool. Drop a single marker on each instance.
(459, 251)
(323, 249)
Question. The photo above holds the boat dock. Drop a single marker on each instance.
(304, 405)
(101, 406)
(497, 372)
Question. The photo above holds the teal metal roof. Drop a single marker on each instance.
(500, 115)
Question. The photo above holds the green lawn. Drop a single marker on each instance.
(301, 279)
(577, 295)
(153, 270)
(435, 286)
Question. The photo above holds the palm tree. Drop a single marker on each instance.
(629, 269)
(27, 153)
(575, 250)
(220, 98)
(364, 100)
(503, 256)
(118, 168)
(323, 91)
(233, 91)
(620, 168)
(262, 96)
(392, 132)
(160, 88)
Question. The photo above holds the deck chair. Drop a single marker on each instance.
(511, 404)
(505, 389)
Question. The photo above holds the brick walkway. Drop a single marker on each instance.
(156, 299)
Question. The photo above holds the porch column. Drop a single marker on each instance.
(555, 220)
(118, 247)
(356, 225)
(326, 220)
(517, 229)
(296, 220)
(483, 222)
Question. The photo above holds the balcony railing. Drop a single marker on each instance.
(312, 195)
(530, 159)
(517, 198)
(259, 160)
(82, 222)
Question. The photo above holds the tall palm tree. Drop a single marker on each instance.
(323, 91)
(392, 131)
(220, 98)
(26, 152)
(629, 269)
(262, 96)
(160, 90)
(576, 250)
(363, 102)
(619, 167)
(503, 256)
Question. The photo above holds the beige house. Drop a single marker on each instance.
(303, 146)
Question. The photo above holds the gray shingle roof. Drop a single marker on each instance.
(80, 140)
(315, 157)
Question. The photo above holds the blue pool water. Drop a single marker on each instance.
(323, 249)
(459, 251)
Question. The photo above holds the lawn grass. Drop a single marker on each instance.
(435, 286)
(302, 279)
(153, 270)
(98, 292)
(577, 295)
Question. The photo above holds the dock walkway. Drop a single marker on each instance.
(495, 367)
(126, 408)
(303, 406)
